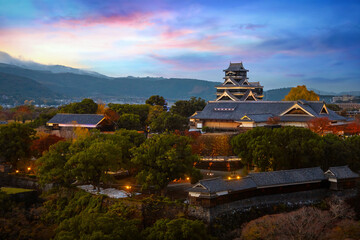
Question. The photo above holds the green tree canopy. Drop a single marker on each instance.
(167, 121)
(281, 148)
(157, 100)
(92, 164)
(142, 110)
(86, 106)
(51, 165)
(301, 92)
(130, 121)
(15, 142)
(177, 229)
(188, 108)
(164, 158)
(333, 107)
(88, 159)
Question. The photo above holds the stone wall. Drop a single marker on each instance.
(8, 180)
(288, 199)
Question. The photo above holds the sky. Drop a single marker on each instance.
(281, 43)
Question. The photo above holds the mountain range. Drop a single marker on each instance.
(25, 80)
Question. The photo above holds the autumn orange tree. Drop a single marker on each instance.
(301, 92)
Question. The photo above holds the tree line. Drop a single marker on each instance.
(293, 147)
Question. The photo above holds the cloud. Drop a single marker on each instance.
(295, 75)
(134, 20)
(250, 26)
(193, 62)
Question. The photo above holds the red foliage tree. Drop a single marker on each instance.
(319, 125)
(43, 143)
(353, 128)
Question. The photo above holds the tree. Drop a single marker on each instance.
(50, 167)
(188, 108)
(129, 121)
(162, 159)
(176, 229)
(86, 106)
(111, 115)
(88, 159)
(280, 148)
(43, 143)
(300, 92)
(15, 142)
(23, 113)
(346, 229)
(154, 113)
(167, 121)
(138, 109)
(353, 146)
(157, 100)
(253, 147)
(333, 151)
(333, 107)
(98, 226)
(319, 125)
(92, 163)
(101, 108)
(43, 118)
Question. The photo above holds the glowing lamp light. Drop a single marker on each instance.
(188, 178)
(229, 178)
(238, 177)
(29, 168)
(128, 187)
(17, 171)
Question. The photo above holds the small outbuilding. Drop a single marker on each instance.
(341, 178)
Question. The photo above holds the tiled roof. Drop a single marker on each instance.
(260, 180)
(214, 185)
(236, 67)
(242, 184)
(342, 172)
(273, 108)
(86, 119)
(287, 177)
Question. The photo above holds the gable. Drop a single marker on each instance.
(250, 98)
(227, 96)
(324, 110)
(296, 109)
(246, 118)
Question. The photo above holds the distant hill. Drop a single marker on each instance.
(276, 94)
(7, 59)
(18, 89)
(80, 85)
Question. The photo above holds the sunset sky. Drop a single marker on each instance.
(282, 43)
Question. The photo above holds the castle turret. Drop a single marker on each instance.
(236, 86)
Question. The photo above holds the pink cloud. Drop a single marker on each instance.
(134, 20)
(169, 33)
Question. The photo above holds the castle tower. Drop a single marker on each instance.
(236, 86)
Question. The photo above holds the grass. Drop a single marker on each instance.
(15, 190)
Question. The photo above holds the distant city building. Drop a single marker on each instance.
(239, 106)
(236, 86)
(345, 98)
